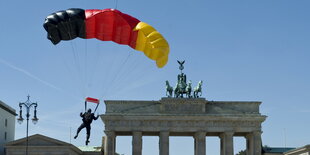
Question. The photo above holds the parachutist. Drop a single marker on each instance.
(88, 117)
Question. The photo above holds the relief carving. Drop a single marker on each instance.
(179, 123)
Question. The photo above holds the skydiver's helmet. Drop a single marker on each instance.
(89, 110)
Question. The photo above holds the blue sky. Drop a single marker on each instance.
(242, 50)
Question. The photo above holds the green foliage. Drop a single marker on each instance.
(241, 152)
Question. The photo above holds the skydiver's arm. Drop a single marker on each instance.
(95, 118)
(81, 114)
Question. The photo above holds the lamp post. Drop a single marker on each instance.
(28, 104)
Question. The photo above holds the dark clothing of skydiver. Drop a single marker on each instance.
(88, 117)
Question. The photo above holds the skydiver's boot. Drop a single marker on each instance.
(87, 139)
(78, 131)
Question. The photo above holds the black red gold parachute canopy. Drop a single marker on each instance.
(107, 25)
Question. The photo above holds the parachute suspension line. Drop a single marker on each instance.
(99, 56)
(121, 74)
(111, 67)
(105, 79)
(77, 66)
(80, 72)
(130, 70)
(116, 2)
(95, 60)
(76, 58)
(138, 72)
(86, 81)
(70, 94)
(74, 55)
(117, 73)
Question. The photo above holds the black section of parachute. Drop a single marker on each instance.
(65, 25)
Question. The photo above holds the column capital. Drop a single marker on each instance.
(248, 135)
(138, 133)
(200, 134)
(257, 133)
(227, 133)
(253, 133)
(110, 133)
(164, 133)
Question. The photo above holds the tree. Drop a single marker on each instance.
(242, 152)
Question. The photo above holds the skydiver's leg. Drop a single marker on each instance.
(87, 134)
(79, 129)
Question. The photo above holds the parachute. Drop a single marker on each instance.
(107, 25)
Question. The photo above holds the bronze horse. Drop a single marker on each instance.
(198, 90)
(169, 89)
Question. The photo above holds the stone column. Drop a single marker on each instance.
(200, 143)
(227, 143)
(137, 143)
(257, 143)
(103, 144)
(110, 143)
(249, 144)
(164, 143)
(254, 143)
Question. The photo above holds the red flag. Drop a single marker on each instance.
(94, 100)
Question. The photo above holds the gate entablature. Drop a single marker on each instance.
(182, 115)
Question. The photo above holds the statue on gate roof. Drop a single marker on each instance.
(182, 87)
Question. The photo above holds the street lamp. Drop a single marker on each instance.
(28, 104)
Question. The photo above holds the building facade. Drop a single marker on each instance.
(305, 150)
(275, 150)
(7, 125)
(43, 145)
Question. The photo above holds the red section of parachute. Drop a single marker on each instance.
(111, 25)
(93, 100)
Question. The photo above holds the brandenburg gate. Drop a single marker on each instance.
(195, 117)
(179, 116)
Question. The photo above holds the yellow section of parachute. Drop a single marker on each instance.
(152, 43)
